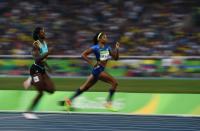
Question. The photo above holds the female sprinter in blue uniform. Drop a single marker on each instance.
(39, 77)
(103, 53)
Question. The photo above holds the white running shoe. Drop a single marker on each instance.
(27, 83)
(30, 116)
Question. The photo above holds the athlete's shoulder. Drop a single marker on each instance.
(95, 47)
(36, 43)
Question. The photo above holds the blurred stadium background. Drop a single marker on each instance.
(160, 51)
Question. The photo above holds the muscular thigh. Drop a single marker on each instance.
(88, 83)
(106, 78)
(49, 85)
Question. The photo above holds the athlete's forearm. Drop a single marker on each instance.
(41, 58)
(49, 69)
(85, 54)
(116, 54)
(46, 65)
(87, 59)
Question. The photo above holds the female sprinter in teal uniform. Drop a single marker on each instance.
(103, 53)
(39, 77)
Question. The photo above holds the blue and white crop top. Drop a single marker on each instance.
(43, 47)
(101, 54)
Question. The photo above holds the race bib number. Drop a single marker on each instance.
(36, 79)
(104, 55)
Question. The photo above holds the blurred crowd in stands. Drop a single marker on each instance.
(143, 27)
